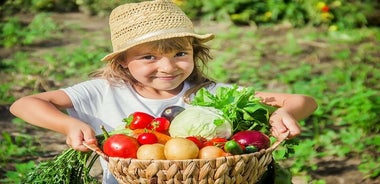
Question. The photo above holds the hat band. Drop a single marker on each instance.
(153, 34)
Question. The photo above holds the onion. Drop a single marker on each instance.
(211, 152)
(252, 138)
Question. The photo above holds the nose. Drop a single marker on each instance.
(166, 65)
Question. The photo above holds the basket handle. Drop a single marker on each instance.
(281, 138)
(96, 149)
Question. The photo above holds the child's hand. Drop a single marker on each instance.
(78, 134)
(282, 121)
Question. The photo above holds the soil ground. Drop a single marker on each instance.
(332, 170)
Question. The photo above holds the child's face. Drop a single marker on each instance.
(159, 71)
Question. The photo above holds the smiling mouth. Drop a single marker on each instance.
(167, 77)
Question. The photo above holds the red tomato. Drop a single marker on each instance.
(147, 138)
(197, 140)
(219, 142)
(121, 145)
(138, 120)
(159, 124)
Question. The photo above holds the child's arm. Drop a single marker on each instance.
(292, 108)
(43, 110)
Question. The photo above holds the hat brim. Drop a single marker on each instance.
(203, 38)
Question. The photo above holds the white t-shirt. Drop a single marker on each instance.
(96, 102)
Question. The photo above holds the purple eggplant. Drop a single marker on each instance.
(171, 112)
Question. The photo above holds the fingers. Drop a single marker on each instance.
(89, 136)
(76, 138)
(278, 128)
(281, 121)
(76, 144)
(292, 125)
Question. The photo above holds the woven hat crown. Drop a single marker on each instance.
(136, 23)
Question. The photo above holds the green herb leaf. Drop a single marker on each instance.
(239, 105)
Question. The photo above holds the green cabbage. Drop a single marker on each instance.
(201, 121)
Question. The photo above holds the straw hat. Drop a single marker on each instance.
(136, 23)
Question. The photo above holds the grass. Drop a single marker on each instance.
(340, 69)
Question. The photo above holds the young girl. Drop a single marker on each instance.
(156, 62)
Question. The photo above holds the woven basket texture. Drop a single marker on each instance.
(239, 169)
(236, 169)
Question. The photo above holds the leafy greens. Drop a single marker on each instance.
(239, 105)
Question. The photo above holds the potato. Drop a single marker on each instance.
(180, 148)
(151, 152)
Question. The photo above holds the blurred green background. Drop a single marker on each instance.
(327, 49)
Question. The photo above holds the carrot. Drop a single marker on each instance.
(162, 138)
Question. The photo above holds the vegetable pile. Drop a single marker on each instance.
(230, 122)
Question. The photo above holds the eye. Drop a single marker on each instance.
(179, 54)
(148, 57)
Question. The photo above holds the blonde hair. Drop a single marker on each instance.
(115, 74)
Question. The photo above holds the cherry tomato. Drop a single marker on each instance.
(121, 145)
(219, 142)
(197, 140)
(138, 120)
(159, 124)
(147, 138)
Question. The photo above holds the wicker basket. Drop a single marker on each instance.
(244, 169)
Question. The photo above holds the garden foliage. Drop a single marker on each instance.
(326, 49)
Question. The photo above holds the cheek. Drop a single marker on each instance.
(135, 66)
(187, 66)
(140, 70)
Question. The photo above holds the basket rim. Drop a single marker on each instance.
(279, 140)
(255, 154)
